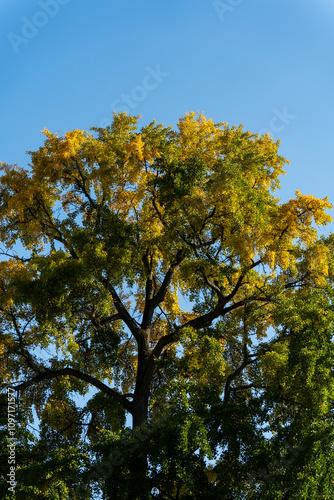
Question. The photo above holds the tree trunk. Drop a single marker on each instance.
(140, 410)
(138, 463)
(145, 370)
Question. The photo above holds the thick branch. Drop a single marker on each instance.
(82, 376)
(159, 297)
(203, 321)
(243, 302)
(196, 323)
(122, 311)
(147, 260)
(152, 304)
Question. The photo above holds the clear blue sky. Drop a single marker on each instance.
(266, 63)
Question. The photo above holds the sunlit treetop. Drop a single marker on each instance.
(116, 225)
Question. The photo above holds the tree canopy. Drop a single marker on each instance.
(154, 273)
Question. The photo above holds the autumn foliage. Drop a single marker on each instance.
(158, 267)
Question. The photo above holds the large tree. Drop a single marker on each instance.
(158, 267)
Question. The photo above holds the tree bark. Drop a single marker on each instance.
(140, 410)
(145, 370)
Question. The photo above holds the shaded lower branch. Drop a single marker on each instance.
(49, 374)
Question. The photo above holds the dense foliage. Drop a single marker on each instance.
(154, 274)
